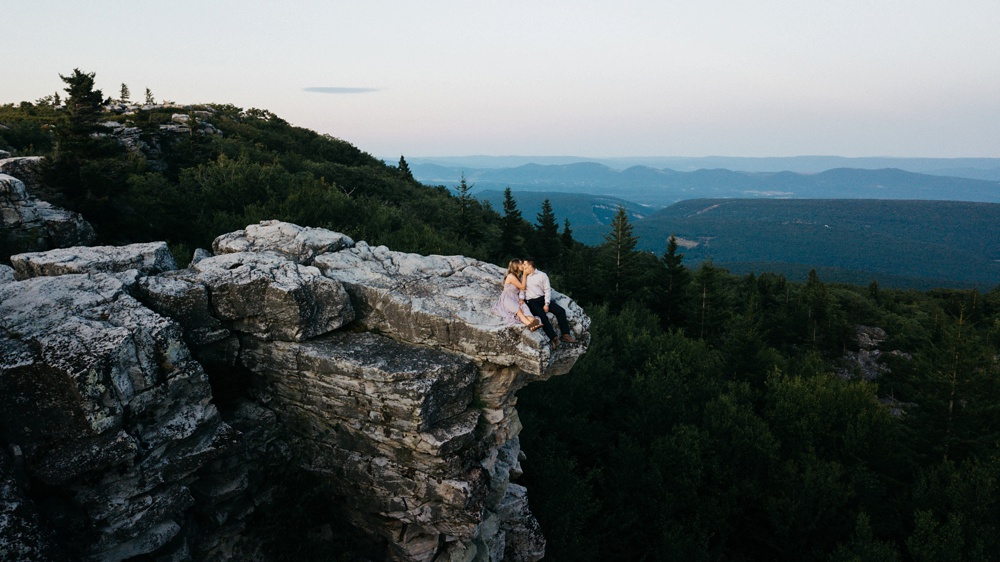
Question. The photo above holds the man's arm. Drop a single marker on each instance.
(547, 289)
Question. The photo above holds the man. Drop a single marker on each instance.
(537, 295)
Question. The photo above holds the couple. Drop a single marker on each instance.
(525, 297)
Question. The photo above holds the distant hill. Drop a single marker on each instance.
(975, 168)
(661, 187)
(942, 242)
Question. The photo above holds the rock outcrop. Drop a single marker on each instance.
(146, 259)
(29, 224)
(103, 406)
(382, 374)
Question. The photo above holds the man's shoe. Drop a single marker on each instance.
(568, 338)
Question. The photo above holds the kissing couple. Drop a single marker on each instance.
(526, 298)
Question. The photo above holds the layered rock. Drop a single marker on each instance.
(146, 259)
(29, 224)
(108, 408)
(24, 168)
(384, 374)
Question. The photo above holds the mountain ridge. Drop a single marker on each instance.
(662, 187)
(973, 168)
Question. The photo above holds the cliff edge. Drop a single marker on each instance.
(147, 410)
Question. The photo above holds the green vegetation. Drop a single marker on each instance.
(714, 417)
(730, 427)
(932, 243)
(188, 187)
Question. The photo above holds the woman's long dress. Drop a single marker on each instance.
(507, 305)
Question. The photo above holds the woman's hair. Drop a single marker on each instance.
(513, 267)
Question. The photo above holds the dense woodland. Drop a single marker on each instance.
(715, 416)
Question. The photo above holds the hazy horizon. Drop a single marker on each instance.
(959, 166)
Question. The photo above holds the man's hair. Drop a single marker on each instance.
(528, 260)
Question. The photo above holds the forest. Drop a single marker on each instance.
(715, 417)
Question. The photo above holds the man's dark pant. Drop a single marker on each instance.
(537, 307)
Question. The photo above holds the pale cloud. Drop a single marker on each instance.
(338, 90)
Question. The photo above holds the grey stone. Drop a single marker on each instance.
(273, 298)
(24, 168)
(24, 534)
(148, 259)
(300, 244)
(108, 406)
(446, 302)
(523, 534)
(200, 254)
(29, 224)
(384, 374)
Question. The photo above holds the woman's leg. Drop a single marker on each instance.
(527, 320)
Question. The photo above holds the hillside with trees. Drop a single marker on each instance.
(715, 417)
(932, 243)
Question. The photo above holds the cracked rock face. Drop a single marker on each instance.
(146, 259)
(445, 301)
(384, 374)
(106, 405)
(29, 224)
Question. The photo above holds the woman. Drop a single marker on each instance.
(509, 304)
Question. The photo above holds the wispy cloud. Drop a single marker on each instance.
(338, 90)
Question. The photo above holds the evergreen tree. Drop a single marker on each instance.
(711, 301)
(149, 97)
(83, 105)
(511, 225)
(547, 245)
(619, 258)
(567, 236)
(404, 169)
(464, 224)
(816, 304)
(676, 279)
(86, 168)
(124, 95)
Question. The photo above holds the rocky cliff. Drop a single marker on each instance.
(30, 224)
(147, 410)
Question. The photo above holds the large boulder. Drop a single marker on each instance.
(109, 409)
(24, 168)
(300, 244)
(262, 294)
(147, 259)
(446, 302)
(29, 224)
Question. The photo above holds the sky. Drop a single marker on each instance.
(904, 78)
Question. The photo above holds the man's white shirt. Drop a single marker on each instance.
(537, 285)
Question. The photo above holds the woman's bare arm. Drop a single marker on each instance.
(513, 280)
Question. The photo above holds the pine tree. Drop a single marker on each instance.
(86, 168)
(149, 97)
(83, 106)
(711, 307)
(567, 236)
(619, 256)
(675, 283)
(547, 245)
(124, 95)
(464, 224)
(404, 169)
(511, 225)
